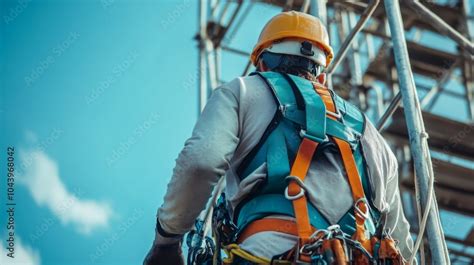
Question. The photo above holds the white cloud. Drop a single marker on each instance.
(40, 174)
(23, 255)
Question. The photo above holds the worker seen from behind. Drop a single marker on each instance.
(309, 180)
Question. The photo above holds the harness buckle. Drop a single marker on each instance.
(303, 134)
(334, 228)
(359, 211)
(294, 197)
(320, 234)
(336, 114)
(302, 188)
(305, 251)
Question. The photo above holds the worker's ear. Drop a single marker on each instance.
(322, 78)
(261, 67)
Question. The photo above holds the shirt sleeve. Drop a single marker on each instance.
(203, 160)
(397, 224)
(384, 165)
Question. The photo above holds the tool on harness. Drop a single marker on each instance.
(223, 229)
(225, 236)
(222, 222)
(200, 247)
(384, 246)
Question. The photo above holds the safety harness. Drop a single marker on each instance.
(305, 123)
(301, 125)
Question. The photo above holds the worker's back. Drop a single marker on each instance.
(297, 159)
(328, 188)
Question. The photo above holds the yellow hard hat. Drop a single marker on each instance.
(293, 25)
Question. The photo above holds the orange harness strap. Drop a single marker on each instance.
(361, 209)
(296, 193)
(352, 174)
(325, 96)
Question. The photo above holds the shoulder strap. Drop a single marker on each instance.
(288, 107)
(360, 202)
(280, 88)
(352, 116)
(290, 102)
(314, 106)
(294, 94)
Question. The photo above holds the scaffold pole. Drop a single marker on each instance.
(417, 135)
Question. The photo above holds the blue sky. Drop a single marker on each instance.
(97, 98)
(92, 88)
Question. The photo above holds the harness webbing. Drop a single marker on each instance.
(323, 120)
(296, 192)
(360, 202)
(299, 170)
(270, 224)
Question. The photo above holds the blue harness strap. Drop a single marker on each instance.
(278, 163)
(301, 111)
(269, 204)
(314, 108)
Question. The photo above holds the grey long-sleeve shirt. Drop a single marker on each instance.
(231, 124)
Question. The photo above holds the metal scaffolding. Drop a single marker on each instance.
(374, 32)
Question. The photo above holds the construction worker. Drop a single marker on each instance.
(307, 175)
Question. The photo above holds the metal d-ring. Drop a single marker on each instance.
(294, 197)
(359, 211)
(302, 188)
